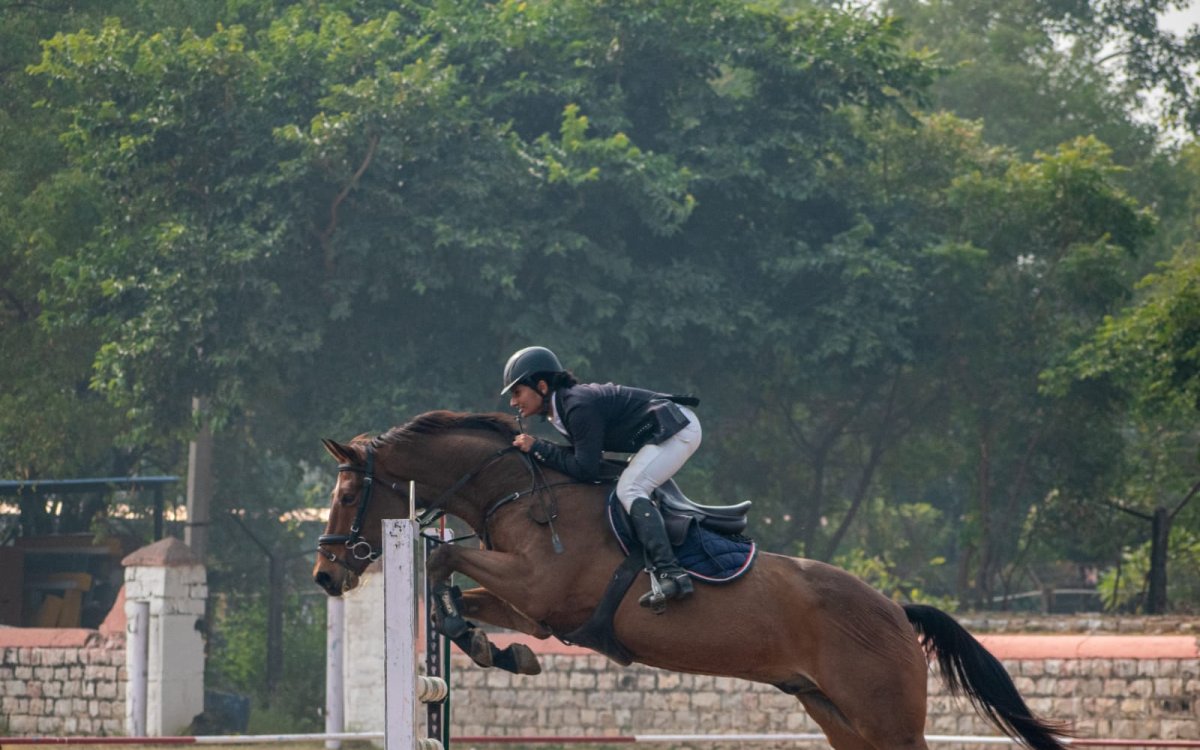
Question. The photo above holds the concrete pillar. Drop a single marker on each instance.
(137, 650)
(199, 482)
(169, 576)
(364, 656)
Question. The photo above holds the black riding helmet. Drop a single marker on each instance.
(530, 361)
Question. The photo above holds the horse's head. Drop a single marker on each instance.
(444, 453)
(352, 538)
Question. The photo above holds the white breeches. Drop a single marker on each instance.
(655, 464)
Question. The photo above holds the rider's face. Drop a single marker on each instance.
(526, 400)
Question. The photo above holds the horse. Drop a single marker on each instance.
(855, 660)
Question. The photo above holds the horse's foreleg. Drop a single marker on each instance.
(507, 577)
(452, 609)
(482, 604)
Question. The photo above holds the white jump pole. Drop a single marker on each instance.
(335, 642)
(403, 687)
(399, 634)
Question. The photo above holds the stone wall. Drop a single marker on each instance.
(61, 682)
(1094, 623)
(577, 694)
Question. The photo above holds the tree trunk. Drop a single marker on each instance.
(1156, 600)
(983, 574)
(275, 628)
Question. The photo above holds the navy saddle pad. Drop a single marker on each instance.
(707, 555)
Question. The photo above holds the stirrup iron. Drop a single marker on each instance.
(656, 599)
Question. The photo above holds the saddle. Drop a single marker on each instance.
(678, 512)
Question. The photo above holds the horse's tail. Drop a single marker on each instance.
(969, 668)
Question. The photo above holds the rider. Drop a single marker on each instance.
(659, 429)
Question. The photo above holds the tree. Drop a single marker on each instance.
(333, 216)
(1148, 353)
(1040, 73)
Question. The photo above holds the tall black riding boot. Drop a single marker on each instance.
(652, 533)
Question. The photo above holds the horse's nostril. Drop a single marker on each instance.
(325, 581)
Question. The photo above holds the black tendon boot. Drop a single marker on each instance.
(673, 580)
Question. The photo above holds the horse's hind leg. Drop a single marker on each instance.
(833, 723)
(843, 736)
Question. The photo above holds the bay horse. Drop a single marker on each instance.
(855, 659)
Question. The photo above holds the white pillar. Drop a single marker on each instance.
(137, 644)
(170, 578)
(364, 706)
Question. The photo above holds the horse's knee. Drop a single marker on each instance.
(440, 563)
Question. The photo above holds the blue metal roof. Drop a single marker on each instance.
(66, 486)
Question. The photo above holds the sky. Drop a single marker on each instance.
(1180, 20)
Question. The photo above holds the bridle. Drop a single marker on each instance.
(356, 545)
(361, 549)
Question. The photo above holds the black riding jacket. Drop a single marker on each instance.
(607, 417)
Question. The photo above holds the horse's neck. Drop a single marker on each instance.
(576, 511)
(440, 464)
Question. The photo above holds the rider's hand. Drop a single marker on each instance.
(524, 442)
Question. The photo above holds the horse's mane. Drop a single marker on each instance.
(441, 421)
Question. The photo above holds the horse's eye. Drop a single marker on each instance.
(348, 499)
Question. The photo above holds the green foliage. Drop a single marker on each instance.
(904, 570)
(1151, 348)
(880, 573)
(237, 660)
(1123, 586)
(1039, 73)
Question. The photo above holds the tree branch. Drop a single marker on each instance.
(1191, 493)
(1130, 511)
(327, 234)
(867, 476)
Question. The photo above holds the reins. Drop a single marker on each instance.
(536, 475)
(361, 549)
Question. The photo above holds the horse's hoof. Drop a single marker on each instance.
(525, 661)
(481, 649)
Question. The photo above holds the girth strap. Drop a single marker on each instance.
(597, 633)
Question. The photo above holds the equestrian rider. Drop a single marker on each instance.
(659, 429)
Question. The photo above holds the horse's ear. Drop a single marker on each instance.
(340, 453)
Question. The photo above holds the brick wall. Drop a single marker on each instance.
(1146, 687)
(61, 682)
